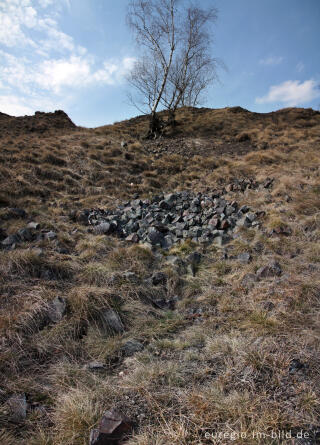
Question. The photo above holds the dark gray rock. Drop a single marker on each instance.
(56, 309)
(159, 278)
(156, 237)
(102, 229)
(17, 404)
(111, 322)
(248, 280)
(194, 258)
(165, 220)
(244, 257)
(295, 366)
(131, 347)
(222, 240)
(273, 269)
(244, 209)
(25, 234)
(10, 240)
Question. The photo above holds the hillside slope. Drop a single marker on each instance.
(189, 341)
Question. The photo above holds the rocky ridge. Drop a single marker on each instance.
(38, 123)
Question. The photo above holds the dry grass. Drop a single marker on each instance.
(219, 362)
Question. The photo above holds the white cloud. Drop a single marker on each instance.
(291, 93)
(55, 75)
(114, 72)
(41, 61)
(13, 105)
(14, 16)
(21, 105)
(272, 60)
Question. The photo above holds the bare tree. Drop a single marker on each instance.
(176, 65)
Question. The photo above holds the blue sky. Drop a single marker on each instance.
(74, 55)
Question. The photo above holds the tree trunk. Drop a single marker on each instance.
(155, 126)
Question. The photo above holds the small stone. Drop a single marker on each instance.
(244, 257)
(25, 234)
(295, 366)
(225, 225)
(18, 407)
(96, 366)
(155, 237)
(251, 217)
(229, 210)
(112, 429)
(268, 183)
(273, 269)
(133, 238)
(56, 309)
(50, 236)
(244, 209)
(222, 240)
(33, 225)
(124, 144)
(159, 278)
(102, 229)
(111, 321)
(248, 280)
(131, 347)
(10, 240)
(268, 305)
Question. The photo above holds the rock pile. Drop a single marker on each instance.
(168, 219)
